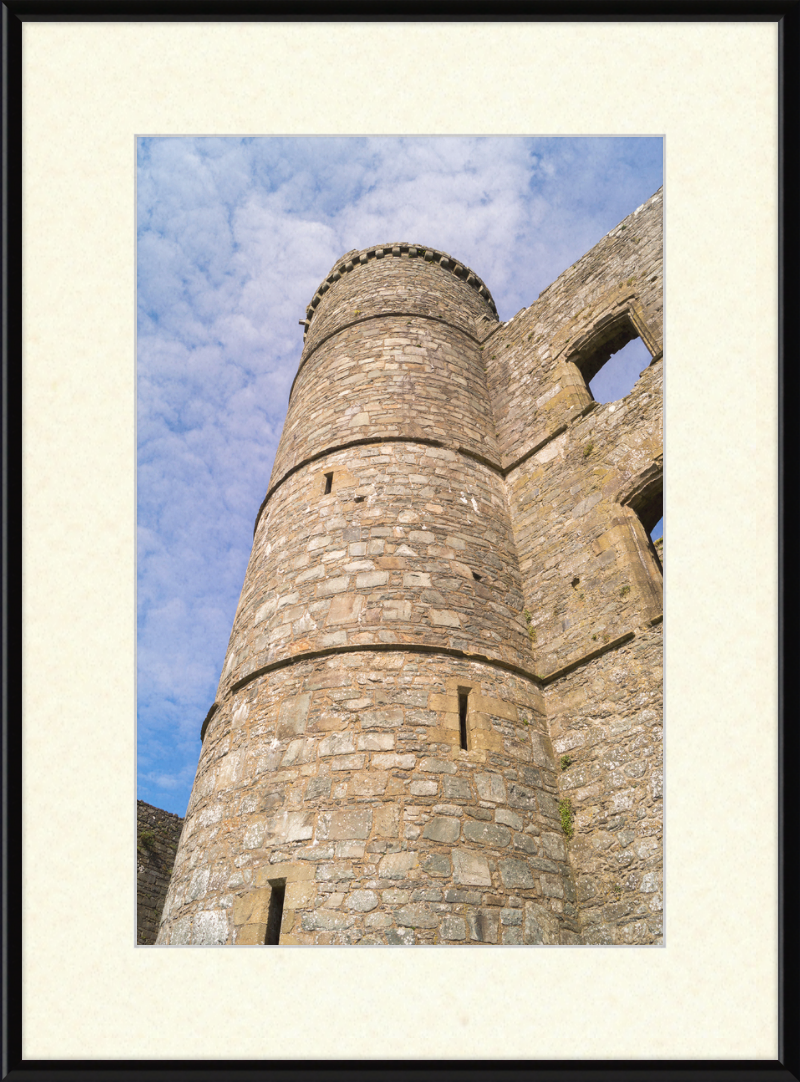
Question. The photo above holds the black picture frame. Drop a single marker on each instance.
(786, 13)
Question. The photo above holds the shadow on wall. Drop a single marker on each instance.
(157, 836)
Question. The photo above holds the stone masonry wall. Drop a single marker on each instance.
(605, 724)
(357, 384)
(404, 278)
(157, 835)
(344, 776)
(388, 556)
(395, 329)
(588, 574)
(591, 579)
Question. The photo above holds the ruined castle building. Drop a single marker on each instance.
(439, 717)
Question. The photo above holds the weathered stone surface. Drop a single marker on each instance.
(362, 900)
(516, 873)
(400, 936)
(210, 928)
(287, 827)
(293, 714)
(453, 929)
(336, 744)
(346, 823)
(437, 766)
(442, 829)
(509, 818)
(326, 920)
(487, 834)
(510, 916)
(438, 720)
(456, 789)
(484, 926)
(437, 864)
(491, 787)
(511, 936)
(417, 915)
(157, 836)
(471, 868)
(397, 865)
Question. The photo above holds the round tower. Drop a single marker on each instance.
(375, 768)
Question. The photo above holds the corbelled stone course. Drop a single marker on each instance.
(438, 720)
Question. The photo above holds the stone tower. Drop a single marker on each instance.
(439, 718)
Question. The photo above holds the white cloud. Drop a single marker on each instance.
(234, 237)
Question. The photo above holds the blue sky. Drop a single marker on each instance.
(234, 235)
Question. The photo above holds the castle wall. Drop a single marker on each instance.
(591, 579)
(450, 570)
(157, 835)
(589, 575)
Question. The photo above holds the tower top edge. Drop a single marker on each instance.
(399, 249)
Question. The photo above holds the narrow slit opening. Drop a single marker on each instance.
(463, 695)
(328, 482)
(657, 541)
(648, 505)
(651, 516)
(275, 913)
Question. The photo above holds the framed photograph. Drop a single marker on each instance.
(86, 92)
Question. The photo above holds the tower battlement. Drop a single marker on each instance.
(438, 719)
(397, 250)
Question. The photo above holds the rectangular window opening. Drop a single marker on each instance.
(275, 913)
(612, 360)
(328, 483)
(463, 696)
(619, 375)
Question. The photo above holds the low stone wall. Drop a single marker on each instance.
(157, 835)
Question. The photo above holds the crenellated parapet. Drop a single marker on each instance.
(403, 250)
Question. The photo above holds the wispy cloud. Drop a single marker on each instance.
(234, 235)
